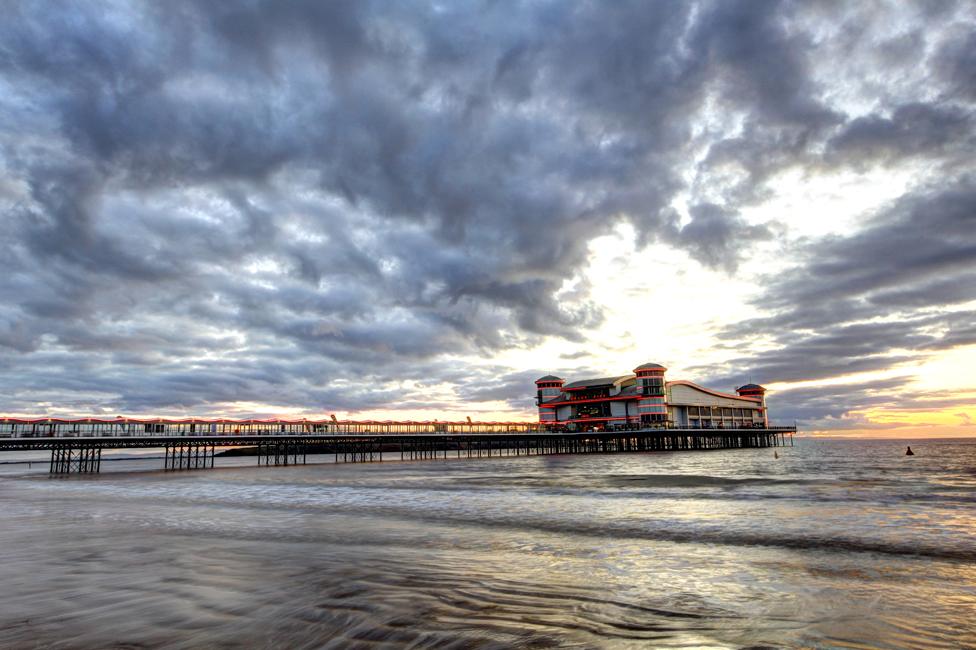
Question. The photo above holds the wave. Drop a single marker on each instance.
(723, 537)
(520, 524)
(697, 480)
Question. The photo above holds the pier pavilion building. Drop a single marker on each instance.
(645, 398)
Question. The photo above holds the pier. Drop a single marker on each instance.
(76, 445)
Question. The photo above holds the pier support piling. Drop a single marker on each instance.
(188, 455)
(67, 459)
(283, 452)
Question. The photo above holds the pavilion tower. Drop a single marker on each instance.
(548, 388)
(755, 391)
(652, 401)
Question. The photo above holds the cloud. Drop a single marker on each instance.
(956, 63)
(886, 296)
(304, 203)
(913, 130)
(827, 407)
(904, 257)
(715, 237)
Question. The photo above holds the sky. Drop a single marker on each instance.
(412, 210)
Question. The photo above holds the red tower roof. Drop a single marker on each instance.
(649, 366)
(548, 378)
(751, 388)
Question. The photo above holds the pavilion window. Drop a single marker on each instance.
(651, 386)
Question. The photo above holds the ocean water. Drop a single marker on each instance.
(837, 543)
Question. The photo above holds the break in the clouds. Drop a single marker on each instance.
(356, 206)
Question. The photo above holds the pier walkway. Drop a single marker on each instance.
(76, 445)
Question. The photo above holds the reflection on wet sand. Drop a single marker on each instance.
(717, 550)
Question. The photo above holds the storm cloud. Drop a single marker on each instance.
(326, 205)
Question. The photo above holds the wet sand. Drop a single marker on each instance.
(837, 544)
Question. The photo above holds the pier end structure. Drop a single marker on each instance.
(646, 398)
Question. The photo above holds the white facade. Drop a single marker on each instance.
(694, 406)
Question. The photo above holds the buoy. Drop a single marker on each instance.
(909, 452)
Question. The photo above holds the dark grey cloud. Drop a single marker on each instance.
(923, 243)
(956, 63)
(844, 406)
(829, 407)
(915, 130)
(715, 236)
(306, 203)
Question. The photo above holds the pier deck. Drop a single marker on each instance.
(80, 452)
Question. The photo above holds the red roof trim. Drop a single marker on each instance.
(121, 420)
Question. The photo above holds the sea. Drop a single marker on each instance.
(835, 543)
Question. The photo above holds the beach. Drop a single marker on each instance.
(836, 543)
